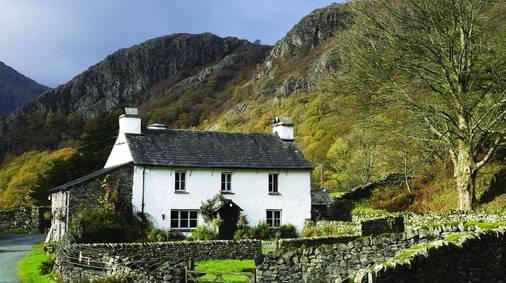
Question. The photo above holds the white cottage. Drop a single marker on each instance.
(262, 176)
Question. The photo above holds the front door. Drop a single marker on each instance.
(230, 215)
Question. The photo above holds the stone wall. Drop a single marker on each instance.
(27, 219)
(313, 241)
(382, 225)
(69, 200)
(85, 194)
(330, 262)
(472, 257)
(145, 262)
(341, 207)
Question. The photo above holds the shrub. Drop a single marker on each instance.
(288, 231)
(203, 232)
(95, 225)
(243, 233)
(331, 229)
(46, 266)
(156, 235)
(263, 232)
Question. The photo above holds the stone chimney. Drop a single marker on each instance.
(283, 127)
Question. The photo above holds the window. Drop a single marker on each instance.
(226, 182)
(183, 219)
(274, 217)
(273, 183)
(180, 181)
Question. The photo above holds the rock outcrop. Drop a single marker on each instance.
(129, 72)
(130, 75)
(281, 72)
(16, 89)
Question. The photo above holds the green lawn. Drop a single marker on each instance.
(29, 266)
(224, 266)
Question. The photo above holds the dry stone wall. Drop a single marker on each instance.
(474, 257)
(145, 262)
(27, 219)
(331, 262)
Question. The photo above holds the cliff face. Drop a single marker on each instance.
(182, 80)
(297, 59)
(131, 75)
(16, 89)
(128, 73)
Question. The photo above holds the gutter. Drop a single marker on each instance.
(143, 186)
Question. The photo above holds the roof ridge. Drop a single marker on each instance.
(204, 131)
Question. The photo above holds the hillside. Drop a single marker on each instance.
(16, 89)
(135, 75)
(207, 82)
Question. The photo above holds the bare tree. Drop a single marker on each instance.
(441, 61)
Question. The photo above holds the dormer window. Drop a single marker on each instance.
(180, 181)
(226, 182)
(273, 183)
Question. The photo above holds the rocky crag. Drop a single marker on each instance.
(182, 80)
(132, 75)
(16, 89)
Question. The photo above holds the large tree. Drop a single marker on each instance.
(442, 61)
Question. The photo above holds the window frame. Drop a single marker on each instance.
(273, 183)
(180, 183)
(272, 223)
(226, 182)
(189, 219)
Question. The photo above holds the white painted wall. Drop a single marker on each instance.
(250, 188)
(59, 204)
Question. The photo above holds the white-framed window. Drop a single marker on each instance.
(226, 182)
(273, 183)
(273, 217)
(180, 181)
(183, 219)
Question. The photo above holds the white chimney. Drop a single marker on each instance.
(283, 127)
(130, 122)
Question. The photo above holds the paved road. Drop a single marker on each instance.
(12, 250)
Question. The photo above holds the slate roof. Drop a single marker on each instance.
(320, 197)
(207, 149)
(88, 177)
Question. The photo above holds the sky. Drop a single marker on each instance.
(52, 41)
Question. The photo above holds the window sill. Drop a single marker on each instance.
(183, 230)
(227, 193)
(274, 194)
(181, 192)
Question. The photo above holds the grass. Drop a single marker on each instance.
(29, 266)
(455, 237)
(224, 266)
(362, 208)
(485, 225)
(412, 250)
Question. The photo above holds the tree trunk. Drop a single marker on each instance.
(465, 174)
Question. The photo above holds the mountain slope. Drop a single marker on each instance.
(138, 74)
(16, 89)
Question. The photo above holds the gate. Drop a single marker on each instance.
(217, 277)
